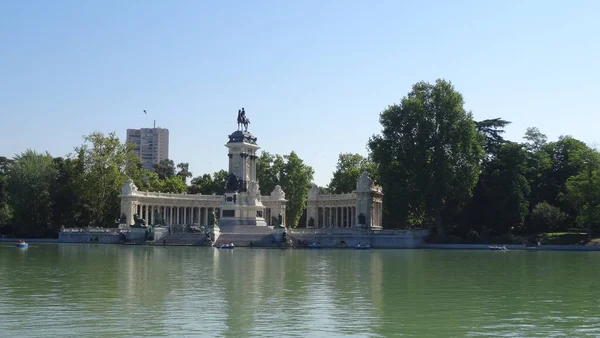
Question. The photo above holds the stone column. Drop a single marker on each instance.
(381, 215)
(348, 217)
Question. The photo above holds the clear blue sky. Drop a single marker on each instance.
(312, 75)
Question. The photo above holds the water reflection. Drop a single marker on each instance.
(109, 290)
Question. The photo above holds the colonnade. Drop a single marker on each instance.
(336, 217)
(174, 215)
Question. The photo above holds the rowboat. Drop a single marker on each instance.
(498, 248)
(314, 246)
(22, 244)
(362, 247)
(226, 246)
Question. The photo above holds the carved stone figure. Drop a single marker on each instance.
(215, 220)
(253, 190)
(139, 222)
(123, 219)
(280, 220)
(278, 193)
(129, 187)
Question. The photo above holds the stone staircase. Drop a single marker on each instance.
(249, 235)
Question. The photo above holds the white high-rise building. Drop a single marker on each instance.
(151, 145)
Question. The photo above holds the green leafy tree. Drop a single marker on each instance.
(29, 183)
(269, 171)
(507, 190)
(208, 185)
(5, 210)
(559, 161)
(294, 177)
(66, 206)
(492, 130)
(348, 170)
(165, 169)
(428, 153)
(583, 191)
(183, 171)
(546, 217)
(104, 161)
(295, 182)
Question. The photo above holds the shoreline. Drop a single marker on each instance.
(475, 247)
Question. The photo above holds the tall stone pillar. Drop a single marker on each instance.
(242, 205)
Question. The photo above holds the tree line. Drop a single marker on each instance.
(439, 168)
(443, 170)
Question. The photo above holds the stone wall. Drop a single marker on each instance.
(89, 237)
(376, 239)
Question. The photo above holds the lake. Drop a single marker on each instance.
(114, 290)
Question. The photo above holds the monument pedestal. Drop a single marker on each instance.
(241, 209)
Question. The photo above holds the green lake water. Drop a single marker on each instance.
(62, 290)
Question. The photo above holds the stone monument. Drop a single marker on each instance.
(242, 203)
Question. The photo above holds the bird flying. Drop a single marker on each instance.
(145, 112)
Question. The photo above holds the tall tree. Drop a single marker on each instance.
(507, 190)
(165, 169)
(269, 171)
(294, 177)
(5, 210)
(66, 207)
(295, 182)
(29, 182)
(348, 170)
(183, 171)
(492, 130)
(562, 159)
(583, 191)
(428, 154)
(104, 162)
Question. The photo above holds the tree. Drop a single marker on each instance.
(546, 217)
(66, 207)
(295, 182)
(428, 154)
(492, 130)
(29, 182)
(269, 171)
(535, 139)
(583, 191)
(558, 161)
(183, 172)
(348, 170)
(5, 210)
(208, 185)
(292, 175)
(507, 190)
(165, 169)
(104, 161)
(173, 184)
